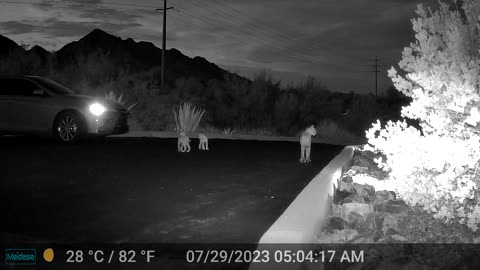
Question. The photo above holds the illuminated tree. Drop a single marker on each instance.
(438, 166)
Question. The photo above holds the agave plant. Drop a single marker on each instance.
(228, 131)
(187, 117)
(113, 97)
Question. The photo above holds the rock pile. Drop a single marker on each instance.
(361, 214)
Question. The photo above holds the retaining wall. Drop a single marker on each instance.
(303, 219)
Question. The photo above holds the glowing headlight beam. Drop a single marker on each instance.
(97, 109)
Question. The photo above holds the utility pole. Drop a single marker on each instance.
(376, 71)
(164, 40)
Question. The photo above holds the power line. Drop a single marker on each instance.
(217, 10)
(248, 26)
(69, 3)
(376, 71)
(164, 10)
(242, 33)
(298, 56)
(253, 19)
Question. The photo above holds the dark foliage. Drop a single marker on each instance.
(100, 62)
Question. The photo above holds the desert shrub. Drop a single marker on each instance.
(187, 117)
(119, 99)
(134, 125)
(330, 130)
(154, 113)
(228, 131)
(110, 95)
(361, 113)
(437, 165)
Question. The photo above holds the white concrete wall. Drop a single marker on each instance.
(303, 219)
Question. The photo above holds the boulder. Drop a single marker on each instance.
(364, 239)
(355, 213)
(392, 207)
(393, 194)
(383, 196)
(347, 187)
(363, 228)
(378, 174)
(340, 196)
(367, 191)
(347, 178)
(361, 162)
(354, 198)
(358, 169)
(368, 154)
(399, 238)
(335, 224)
(340, 236)
(336, 210)
(389, 223)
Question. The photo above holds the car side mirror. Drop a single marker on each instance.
(38, 92)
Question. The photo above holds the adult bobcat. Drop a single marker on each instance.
(306, 143)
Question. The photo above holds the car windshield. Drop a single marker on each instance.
(53, 86)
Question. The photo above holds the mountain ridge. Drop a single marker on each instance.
(122, 55)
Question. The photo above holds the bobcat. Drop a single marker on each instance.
(183, 144)
(306, 143)
(203, 144)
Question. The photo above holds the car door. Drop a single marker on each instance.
(8, 122)
(29, 107)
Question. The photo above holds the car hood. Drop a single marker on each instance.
(110, 105)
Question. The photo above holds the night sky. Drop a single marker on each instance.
(334, 41)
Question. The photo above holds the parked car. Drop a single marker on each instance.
(32, 104)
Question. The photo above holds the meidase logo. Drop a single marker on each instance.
(20, 256)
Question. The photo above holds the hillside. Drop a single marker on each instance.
(113, 54)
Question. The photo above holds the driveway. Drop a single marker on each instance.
(143, 190)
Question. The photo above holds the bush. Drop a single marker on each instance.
(187, 117)
(134, 125)
(437, 166)
(330, 130)
(119, 99)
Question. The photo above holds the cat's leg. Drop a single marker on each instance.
(206, 145)
(184, 147)
(302, 153)
(200, 144)
(188, 147)
(308, 153)
(179, 146)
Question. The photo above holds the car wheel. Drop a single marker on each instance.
(68, 127)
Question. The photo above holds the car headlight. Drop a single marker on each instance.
(97, 109)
